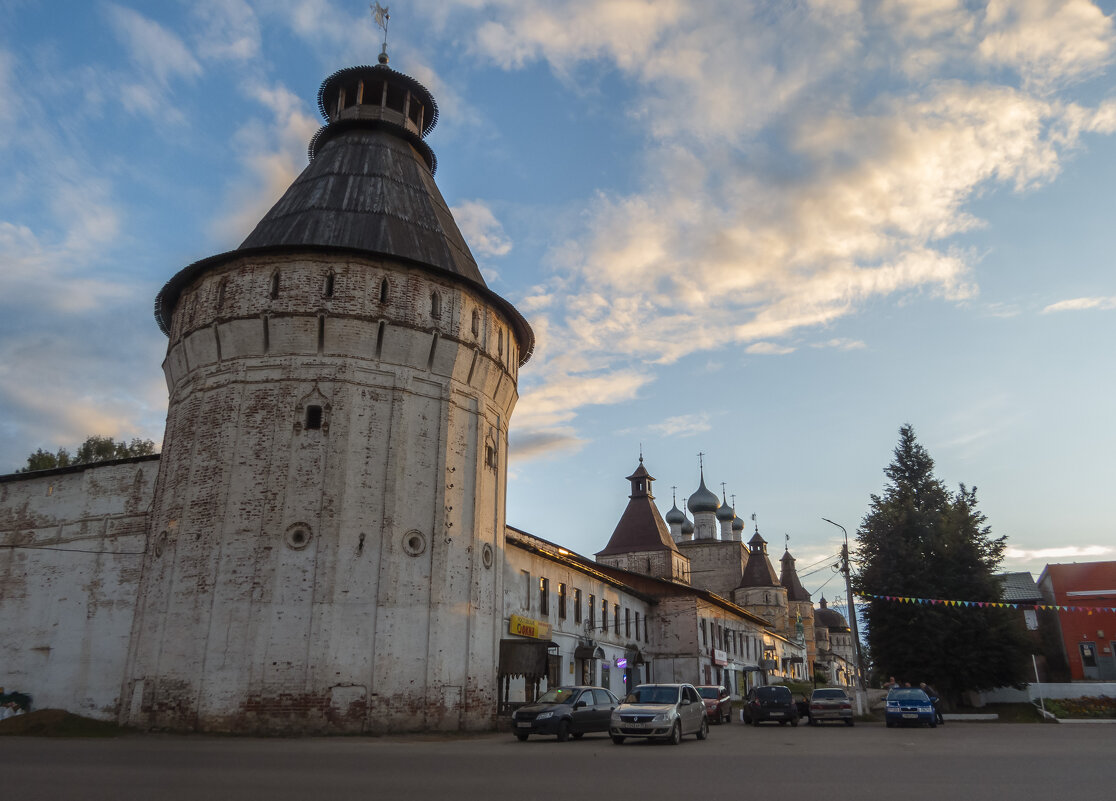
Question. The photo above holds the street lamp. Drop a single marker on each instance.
(852, 604)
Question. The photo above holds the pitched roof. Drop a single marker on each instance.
(758, 572)
(1019, 587)
(788, 577)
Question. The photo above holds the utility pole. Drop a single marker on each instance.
(852, 604)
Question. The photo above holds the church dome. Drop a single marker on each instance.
(726, 512)
(824, 617)
(688, 526)
(703, 500)
(675, 515)
(737, 524)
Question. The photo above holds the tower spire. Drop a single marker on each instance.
(381, 17)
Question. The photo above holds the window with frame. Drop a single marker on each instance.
(646, 638)
(592, 612)
(637, 626)
(627, 622)
(616, 619)
(527, 586)
(561, 601)
(604, 615)
(577, 605)
(704, 638)
(544, 596)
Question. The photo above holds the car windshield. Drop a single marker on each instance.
(558, 695)
(831, 694)
(653, 694)
(908, 694)
(710, 692)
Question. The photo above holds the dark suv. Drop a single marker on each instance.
(772, 702)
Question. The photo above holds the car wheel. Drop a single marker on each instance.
(521, 737)
(728, 717)
(794, 723)
(577, 735)
(811, 722)
(755, 721)
(933, 724)
(782, 723)
(563, 731)
(891, 724)
(849, 721)
(676, 734)
(617, 739)
(703, 732)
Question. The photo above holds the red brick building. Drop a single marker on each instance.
(1084, 621)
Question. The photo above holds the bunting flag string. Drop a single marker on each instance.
(994, 604)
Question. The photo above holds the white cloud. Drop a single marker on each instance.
(230, 30)
(154, 50)
(841, 343)
(1081, 304)
(481, 229)
(686, 425)
(768, 349)
(273, 155)
(1064, 552)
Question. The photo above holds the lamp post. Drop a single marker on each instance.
(852, 604)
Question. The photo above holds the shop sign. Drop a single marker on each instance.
(526, 627)
(719, 657)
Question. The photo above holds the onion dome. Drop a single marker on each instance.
(675, 515)
(738, 526)
(725, 512)
(703, 500)
(687, 527)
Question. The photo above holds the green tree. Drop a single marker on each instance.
(920, 540)
(95, 449)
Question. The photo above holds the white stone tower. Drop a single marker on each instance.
(326, 542)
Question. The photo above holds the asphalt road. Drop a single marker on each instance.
(951, 763)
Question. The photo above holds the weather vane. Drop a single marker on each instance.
(381, 16)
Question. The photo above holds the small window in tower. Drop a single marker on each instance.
(435, 305)
(395, 97)
(350, 95)
(490, 456)
(415, 111)
(221, 292)
(313, 418)
(274, 291)
(476, 323)
(374, 93)
(500, 343)
(327, 290)
(384, 291)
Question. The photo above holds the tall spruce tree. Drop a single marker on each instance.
(921, 541)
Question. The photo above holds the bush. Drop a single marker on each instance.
(1088, 707)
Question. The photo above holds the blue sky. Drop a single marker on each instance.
(769, 232)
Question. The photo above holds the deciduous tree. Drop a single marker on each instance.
(96, 448)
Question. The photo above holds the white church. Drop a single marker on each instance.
(321, 545)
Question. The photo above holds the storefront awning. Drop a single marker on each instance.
(589, 652)
(525, 658)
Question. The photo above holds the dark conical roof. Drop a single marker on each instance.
(369, 188)
(758, 572)
(788, 577)
(641, 527)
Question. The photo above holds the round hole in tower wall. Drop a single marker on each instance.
(486, 555)
(414, 543)
(298, 536)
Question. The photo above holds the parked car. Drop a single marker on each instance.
(718, 702)
(908, 706)
(770, 702)
(830, 703)
(565, 712)
(660, 711)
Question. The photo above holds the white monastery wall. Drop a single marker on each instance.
(71, 551)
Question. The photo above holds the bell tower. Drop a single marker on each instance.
(326, 542)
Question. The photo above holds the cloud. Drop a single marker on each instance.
(1048, 41)
(230, 30)
(768, 349)
(820, 183)
(686, 425)
(154, 50)
(1081, 304)
(273, 154)
(1064, 552)
(481, 229)
(543, 442)
(840, 343)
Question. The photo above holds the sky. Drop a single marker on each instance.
(771, 233)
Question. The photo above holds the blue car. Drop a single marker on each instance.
(908, 706)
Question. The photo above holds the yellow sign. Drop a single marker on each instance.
(526, 627)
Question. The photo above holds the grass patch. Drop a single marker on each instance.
(1014, 713)
(59, 723)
